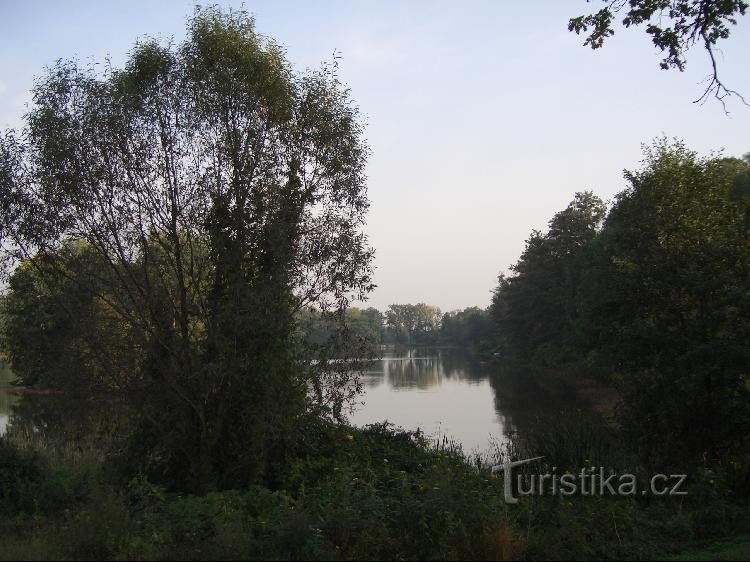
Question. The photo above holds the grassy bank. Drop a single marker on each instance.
(730, 549)
(351, 494)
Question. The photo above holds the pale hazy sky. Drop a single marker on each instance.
(483, 118)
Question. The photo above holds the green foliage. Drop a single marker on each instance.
(469, 328)
(663, 300)
(366, 324)
(731, 549)
(655, 303)
(674, 27)
(60, 329)
(358, 494)
(364, 327)
(534, 309)
(357, 333)
(23, 480)
(412, 324)
(218, 193)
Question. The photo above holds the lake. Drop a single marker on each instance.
(446, 393)
(6, 400)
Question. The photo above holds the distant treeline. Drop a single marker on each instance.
(55, 333)
(651, 297)
(403, 324)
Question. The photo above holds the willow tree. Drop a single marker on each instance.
(222, 191)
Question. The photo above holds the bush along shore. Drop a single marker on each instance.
(351, 493)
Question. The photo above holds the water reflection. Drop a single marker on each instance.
(7, 400)
(424, 369)
(523, 403)
(55, 421)
(449, 393)
(446, 393)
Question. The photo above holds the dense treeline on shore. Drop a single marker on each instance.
(406, 325)
(652, 299)
(58, 351)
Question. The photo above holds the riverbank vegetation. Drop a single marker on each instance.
(349, 494)
(184, 238)
(405, 325)
(650, 298)
(193, 201)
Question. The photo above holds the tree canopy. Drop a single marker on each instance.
(533, 309)
(653, 301)
(219, 192)
(675, 26)
(664, 304)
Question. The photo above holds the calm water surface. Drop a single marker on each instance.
(6, 400)
(445, 393)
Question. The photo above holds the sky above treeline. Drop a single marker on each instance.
(484, 118)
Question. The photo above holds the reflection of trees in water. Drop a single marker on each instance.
(551, 422)
(372, 378)
(61, 422)
(516, 398)
(521, 402)
(463, 366)
(412, 372)
(6, 402)
(425, 368)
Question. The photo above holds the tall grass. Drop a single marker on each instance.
(353, 493)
